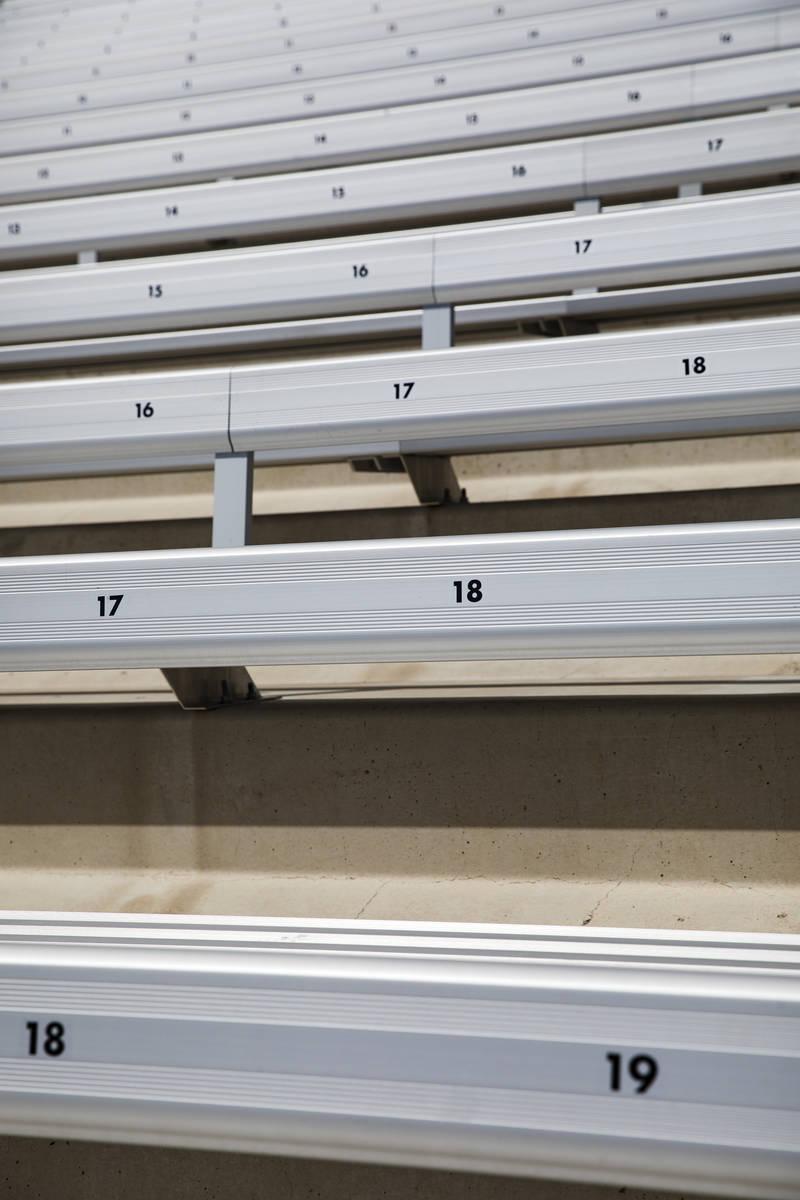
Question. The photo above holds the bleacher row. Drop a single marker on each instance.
(745, 84)
(650, 1060)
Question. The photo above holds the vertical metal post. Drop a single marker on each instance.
(437, 327)
(233, 499)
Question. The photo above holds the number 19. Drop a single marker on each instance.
(642, 1069)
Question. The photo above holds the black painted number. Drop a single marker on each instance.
(53, 1043)
(110, 609)
(360, 270)
(474, 590)
(694, 366)
(714, 144)
(170, 210)
(642, 1069)
(154, 291)
(338, 193)
(144, 410)
(15, 227)
(582, 246)
(403, 390)
(518, 171)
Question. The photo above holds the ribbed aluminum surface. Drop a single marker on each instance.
(434, 80)
(751, 232)
(739, 84)
(758, 144)
(696, 589)
(637, 1056)
(358, 57)
(242, 39)
(719, 379)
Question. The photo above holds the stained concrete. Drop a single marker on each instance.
(656, 810)
(33, 1169)
(596, 512)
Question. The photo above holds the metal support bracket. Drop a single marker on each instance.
(211, 687)
(218, 687)
(431, 475)
(559, 326)
(433, 479)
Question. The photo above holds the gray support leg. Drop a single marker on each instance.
(233, 500)
(86, 256)
(211, 687)
(215, 687)
(437, 327)
(434, 479)
(689, 189)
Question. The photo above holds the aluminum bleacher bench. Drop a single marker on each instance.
(561, 110)
(754, 232)
(90, 44)
(728, 378)
(755, 145)
(656, 1059)
(350, 51)
(690, 589)
(409, 85)
(549, 314)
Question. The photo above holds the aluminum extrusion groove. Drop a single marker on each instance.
(716, 379)
(630, 1057)
(483, 261)
(694, 589)
(735, 85)
(724, 148)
